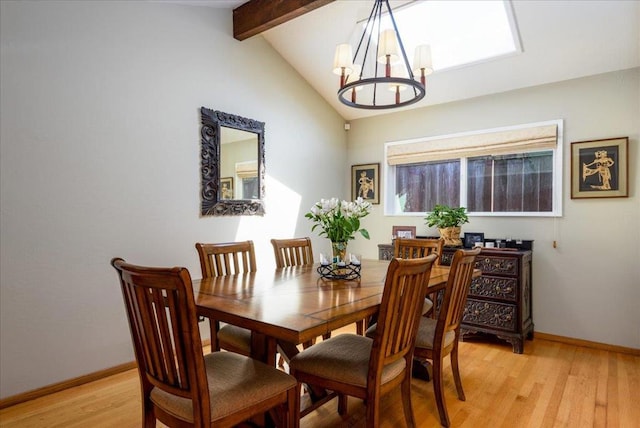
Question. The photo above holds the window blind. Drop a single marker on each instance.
(470, 145)
(247, 169)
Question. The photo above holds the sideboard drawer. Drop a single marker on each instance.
(495, 287)
(490, 314)
(497, 265)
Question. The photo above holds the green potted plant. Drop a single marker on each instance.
(448, 221)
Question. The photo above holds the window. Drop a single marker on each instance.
(247, 175)
(460, 33)
(510, 183)
(250, 188)
(419, 186)
(507, 171)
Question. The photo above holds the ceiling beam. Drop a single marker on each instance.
(256, 16)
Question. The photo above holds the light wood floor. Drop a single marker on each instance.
(550, 385)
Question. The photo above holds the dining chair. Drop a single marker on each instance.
(292, 252)
(409, 248)
(350, 364)
(220, 259)
(437, 338)
(180, 386)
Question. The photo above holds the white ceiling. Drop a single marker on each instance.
(561, 39)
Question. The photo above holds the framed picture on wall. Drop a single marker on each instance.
(600, 168)
(403, 232)
(365, 182)
(226, 188)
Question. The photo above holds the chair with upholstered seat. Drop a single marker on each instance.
(180, 386)
(350, 364)
(409, 248)
(220, 259)
(292, 252)
(439, 337)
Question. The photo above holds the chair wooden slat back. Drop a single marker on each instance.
(222, 259)
(456, 291)
(292, 252)
(164, 327)
(409, 248)
(353, 365)
(439, 337)
(161, 309)
(229, 258)
(400, 310)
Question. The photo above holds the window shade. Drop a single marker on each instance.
(247, 169)
(481, 144)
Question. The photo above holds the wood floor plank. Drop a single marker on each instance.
(551, 385)
(628, 381)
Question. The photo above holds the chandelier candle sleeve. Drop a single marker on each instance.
(422, 63)
(388, 48)
(342, 63)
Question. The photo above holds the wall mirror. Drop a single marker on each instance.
(232, 164)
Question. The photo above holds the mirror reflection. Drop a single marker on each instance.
(232, 164)
(238, 164)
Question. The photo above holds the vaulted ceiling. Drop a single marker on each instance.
(561, 40)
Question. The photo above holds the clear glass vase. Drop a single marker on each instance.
(339, 251)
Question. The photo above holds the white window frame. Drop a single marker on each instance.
(557, 174)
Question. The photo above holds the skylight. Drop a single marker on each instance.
(460, 32)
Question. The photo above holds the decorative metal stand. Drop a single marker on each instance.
(333, 271)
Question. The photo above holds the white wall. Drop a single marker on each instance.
(99, 153)
(589, 286)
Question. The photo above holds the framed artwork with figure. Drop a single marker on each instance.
(600, 168)
(226, 188)
(365, 182)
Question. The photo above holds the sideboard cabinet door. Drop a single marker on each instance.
(499, 301)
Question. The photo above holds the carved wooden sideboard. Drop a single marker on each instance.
(499, 301)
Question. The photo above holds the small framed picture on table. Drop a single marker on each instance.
(403, 232)
(473, 240)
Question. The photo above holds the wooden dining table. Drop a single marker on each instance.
(294, 305)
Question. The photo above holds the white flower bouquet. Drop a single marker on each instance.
(339, 220)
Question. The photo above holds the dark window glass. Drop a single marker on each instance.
(250, 188)
(479, 179)
(510, 183)
(419, 187)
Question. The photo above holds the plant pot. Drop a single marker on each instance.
(451, 236)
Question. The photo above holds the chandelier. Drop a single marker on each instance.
(379, 76)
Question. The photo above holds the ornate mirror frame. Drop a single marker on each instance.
(212, 203)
